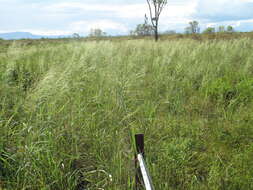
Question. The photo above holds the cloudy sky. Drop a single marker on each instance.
(61, 17)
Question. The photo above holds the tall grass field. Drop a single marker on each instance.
(69, 112)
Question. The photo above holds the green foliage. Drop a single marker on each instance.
(209, 30)
(69, 110)
(231, 93)
(230, 29)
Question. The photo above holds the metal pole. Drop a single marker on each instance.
(142, 176)
(145, 173)
(139, 142)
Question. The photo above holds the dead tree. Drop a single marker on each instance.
(155, 10)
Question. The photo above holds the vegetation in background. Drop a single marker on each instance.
(97, 32)
(193, 28)
(144, 29)
(69, 110)
(209, 30)
(76, 36)
(230, 29)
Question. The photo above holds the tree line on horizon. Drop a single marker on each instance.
(146, 29)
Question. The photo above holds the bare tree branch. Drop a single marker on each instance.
(150, 12)
(155, 12)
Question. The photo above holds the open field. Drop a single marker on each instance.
(68, 113)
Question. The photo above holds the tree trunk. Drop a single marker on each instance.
(156, 33)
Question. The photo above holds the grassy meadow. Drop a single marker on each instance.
(69, 111)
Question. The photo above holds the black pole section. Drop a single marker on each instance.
(139, 143)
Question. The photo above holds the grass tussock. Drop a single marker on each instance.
(68, 113)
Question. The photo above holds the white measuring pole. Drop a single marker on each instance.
(145, 173)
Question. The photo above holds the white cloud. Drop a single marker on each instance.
(131, 11)
(127, 11)
(224, 10)
(55, 17)
(175, 13)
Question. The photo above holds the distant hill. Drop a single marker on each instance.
(25, 35)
